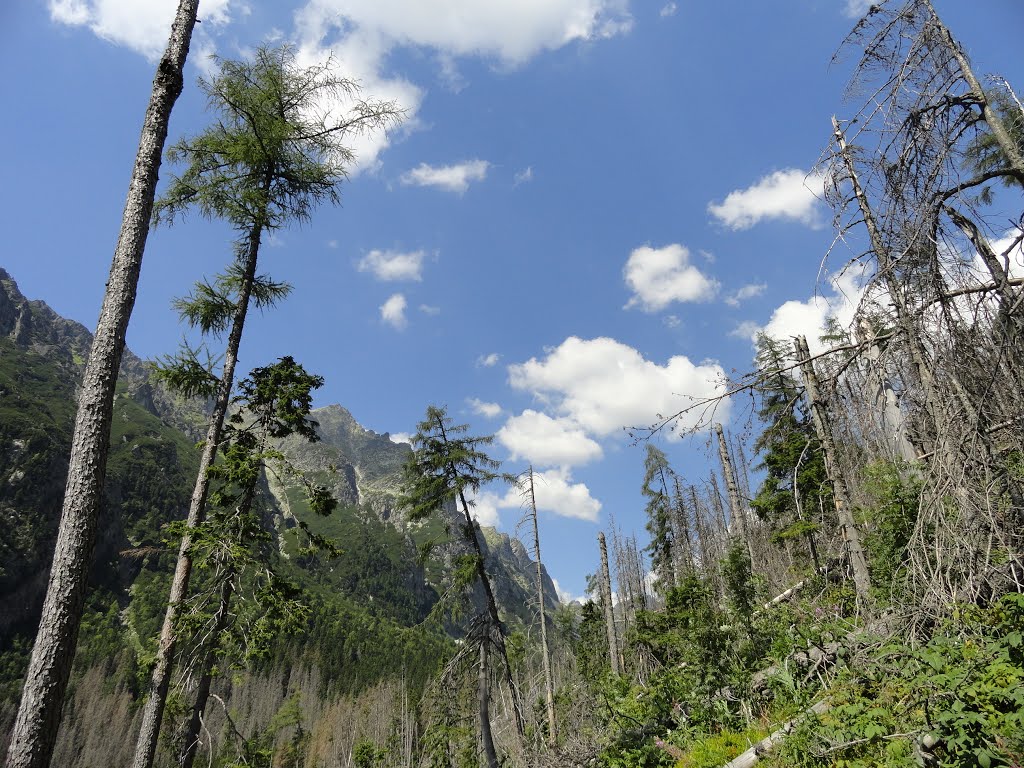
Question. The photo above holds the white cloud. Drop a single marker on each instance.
(142, 26)
(359, 58)
(483, 506)
(661, 276)
(400, 437)
(748, 291)
(523, 176)
(392, 311)
(452, 178)
(808, 318)
(672, 321)
(541, 440)
(557, 493)
(564, 596)
(604, 385)
(512, 31)
(428, 309)
(490, 410)
(669, 9)
(789, 194)
(854, 9)
(488, 361)
(393, 265)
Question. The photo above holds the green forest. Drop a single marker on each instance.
(198, 567)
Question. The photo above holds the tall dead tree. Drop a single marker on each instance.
(609, 611)
(737, 509)
(549, 690)
(844, 509)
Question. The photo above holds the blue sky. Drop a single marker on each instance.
(592, 207)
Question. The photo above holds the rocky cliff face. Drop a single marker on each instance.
(42, 356)
(364, 468)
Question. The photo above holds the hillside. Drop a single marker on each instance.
(368, 604)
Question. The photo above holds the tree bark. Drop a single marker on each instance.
(490, 753)
(35, 729)
(992, 119)
(190, 744)
(492, 610)
(736, 508)
(545, 653)
(844, 510)
(152, 713)
(609, 611)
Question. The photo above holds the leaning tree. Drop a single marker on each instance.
(271, 155)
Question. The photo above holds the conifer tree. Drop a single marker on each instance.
(272, 403)
(667, 549)
(445, 465)
(268, 159)
(795, 478)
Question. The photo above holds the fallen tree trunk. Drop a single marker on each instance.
(753, 755)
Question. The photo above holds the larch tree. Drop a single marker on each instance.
(35, 729)
(272, 154)
(446, 464)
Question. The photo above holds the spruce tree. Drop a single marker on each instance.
(795, 480)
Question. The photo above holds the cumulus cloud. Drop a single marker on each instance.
(660, 276)
(669, 9)
(808, 318)
(393, 265)
(488, 361)
(564, 596)
(140, 26)
(392, 311)
(748, 291)
(556, 492)
(400, 437)
(358, 57)
(789, 194)
(854, 9)
(452, 178)
(604, 385)
(544, 441)
(481, 408)
(512, 31)
(483, 507)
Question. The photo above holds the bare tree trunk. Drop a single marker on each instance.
(545, 653)
(682, 519)
(490, 754)
(737, 509)
(35, 729)
(190, 744)
(844, 510)
(995, 122)
(893, 422)
(609, 612)
(152, 713)
(492, 611)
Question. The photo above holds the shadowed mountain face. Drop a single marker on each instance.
(364, 468)
(151, 472)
